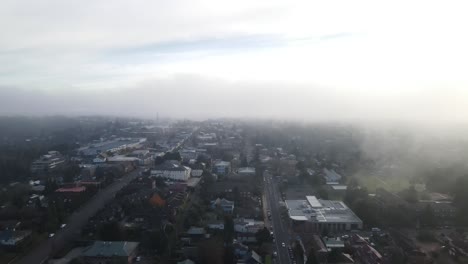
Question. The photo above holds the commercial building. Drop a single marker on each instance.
(316, 215)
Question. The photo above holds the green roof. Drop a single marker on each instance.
(111, 249)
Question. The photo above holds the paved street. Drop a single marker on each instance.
(76, 222)
(280, 228)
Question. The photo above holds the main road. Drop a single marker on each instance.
(76, 222)
(280, 228)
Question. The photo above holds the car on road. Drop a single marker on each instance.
(51, 235)
(283, 244)
(63, 226)
(275, 254)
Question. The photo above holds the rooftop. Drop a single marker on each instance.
(246, 170)
(111, 249)
(331, 175)
(339, 187)
(222, 163)
(318, 210)
(72, 190)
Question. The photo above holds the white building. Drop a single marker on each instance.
(172, 170)
(318, 214)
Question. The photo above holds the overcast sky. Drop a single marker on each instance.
(307, 60)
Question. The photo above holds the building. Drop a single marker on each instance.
(172, 170)
(222, 167)
(331, 177)
(363, 252)
(443, 210)
(188, 154)
(51, 161)
(250, 257)
(197, 173)
(144, 156)
(242, 225)
(226, 205)
(316, 215)
(111, 252)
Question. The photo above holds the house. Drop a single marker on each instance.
(188, 154)
(217, 225)
(196, 233)
(251, 258)
(197, 173)
(226, 205)
(331, 177)
(100, 158)
(242, 225)
(172, 170)
(240, 250)
(222, 167)
(144, 156)
(111, 252)
(363, 252)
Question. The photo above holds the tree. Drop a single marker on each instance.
(312, 258)
(211, 251)
(159, 160)
(263, 236)
(228, 229)
(172, 156)
(410, 194)
(322, 193)
(427, 217)
(50, 186)
(110, 232)
(70, 172)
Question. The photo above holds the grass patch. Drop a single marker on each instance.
(391, 184)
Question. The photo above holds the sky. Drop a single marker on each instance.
(304, 60)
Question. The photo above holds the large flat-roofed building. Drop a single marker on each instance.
(315, 215)
(111, 146)
(49, 162)
(173, 170)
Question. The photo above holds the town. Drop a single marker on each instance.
(217, 191)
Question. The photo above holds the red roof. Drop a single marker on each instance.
(73, 189)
